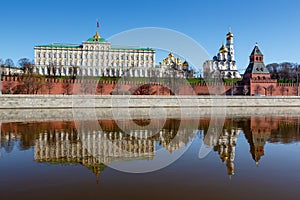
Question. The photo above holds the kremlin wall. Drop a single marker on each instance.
(262, 87)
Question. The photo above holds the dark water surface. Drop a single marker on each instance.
(251, 157)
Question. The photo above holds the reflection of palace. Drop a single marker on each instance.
(59, 142)
(90, 148)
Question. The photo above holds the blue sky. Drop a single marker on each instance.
(273, 24)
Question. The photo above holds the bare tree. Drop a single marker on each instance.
(26, 65)
(67, 86)
(48, 68)
(54, 70)
(7, 86)
(28, 84)
(1, 62)
(100, 86)
(257, 89)
(49, 86)
(37, 86)
(9, 63)
(73, 72)
(282, 90)
(271, 89)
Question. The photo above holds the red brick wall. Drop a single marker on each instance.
(51, 86)
(272, 88)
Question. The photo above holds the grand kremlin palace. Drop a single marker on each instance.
(94, 57)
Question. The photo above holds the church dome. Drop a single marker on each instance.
(229, 35)
(185, 64)
(223, 49)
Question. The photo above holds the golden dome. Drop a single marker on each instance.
(229, 35)
(185, 64)
(171, 55)
(96, 37)
(223, 49)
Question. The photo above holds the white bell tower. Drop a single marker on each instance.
(229, 46)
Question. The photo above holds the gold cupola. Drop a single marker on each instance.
(96, 37)
(223, 49)
(185, 64)
(229, 35)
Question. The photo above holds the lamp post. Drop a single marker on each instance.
(123, 76)
(297, 80)
(0, 80)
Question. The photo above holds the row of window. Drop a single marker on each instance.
(94, 56)
(91, 72)
(97, 64)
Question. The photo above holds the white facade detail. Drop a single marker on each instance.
(94, 57)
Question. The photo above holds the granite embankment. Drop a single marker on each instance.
(134, 101)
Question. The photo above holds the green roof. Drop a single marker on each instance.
(58, 45)
(130, 48)
(257, 68)
(101, 39)
(256, 51)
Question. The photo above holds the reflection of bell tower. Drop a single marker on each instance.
(226, 148)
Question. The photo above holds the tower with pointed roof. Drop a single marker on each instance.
(256, 67)
(257, 76)
(223, 64)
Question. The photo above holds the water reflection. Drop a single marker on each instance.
(60, 142)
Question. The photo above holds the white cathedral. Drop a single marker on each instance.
(223, 65)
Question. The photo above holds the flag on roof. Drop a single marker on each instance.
(98, 24)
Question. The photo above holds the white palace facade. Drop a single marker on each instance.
(94, 57)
